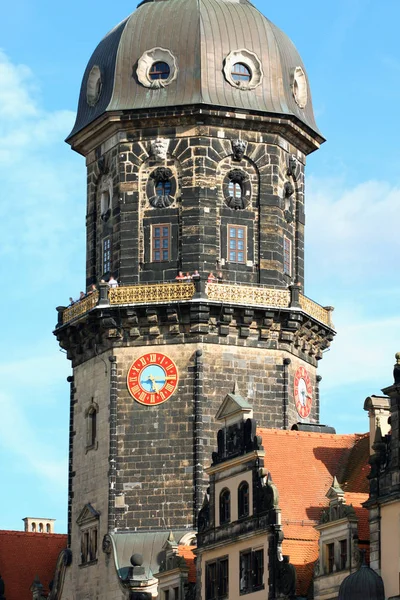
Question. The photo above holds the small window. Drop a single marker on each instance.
(159, 70)
(40, 527)
(224, 507)
(237, 244)
(343, 554)
(240, 72)
(243, 499)
(251, 574)
(163, 188)
(217, 579)
(160, 243)
(107, 255)
(48, 528)
(287, 256)
(91, 426)
(89, 548)
(33, 527)
(330, 557)
(234, 190)
(176, 593)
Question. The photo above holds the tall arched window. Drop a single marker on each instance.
(91, 426)
(243, 499)
(224, 506)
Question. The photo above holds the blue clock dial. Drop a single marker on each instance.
(153, 378)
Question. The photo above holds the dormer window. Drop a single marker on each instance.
(240, 72)
(224, 507)
(159, 70)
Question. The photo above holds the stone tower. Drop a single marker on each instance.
(195, 120)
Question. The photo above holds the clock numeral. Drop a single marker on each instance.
(133, 379)
(152, 400)
(162, 395)
(169, 387)
(153, 358)
(171, 377)
(143, 361)
(142, 396)
(135, 389)
(162, 360)
(169, 367)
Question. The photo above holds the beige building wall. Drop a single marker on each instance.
(232, 551)
(232, 484)
(390, 548)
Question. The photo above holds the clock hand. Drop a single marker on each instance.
(154, 387)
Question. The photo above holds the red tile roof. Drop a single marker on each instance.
(302, 466)
(23, 555)
(187, 553)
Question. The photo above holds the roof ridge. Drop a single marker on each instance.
(314, 434)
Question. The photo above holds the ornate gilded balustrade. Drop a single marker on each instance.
(154, 293)
(316, 310)
(151, 293)
(81, 307)
(248, 295)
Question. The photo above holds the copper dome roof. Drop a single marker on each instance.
(201, 36)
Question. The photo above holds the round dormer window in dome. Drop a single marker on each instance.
(242, 69)
(94, 85)
(156, 68)
(159, 70)
(299, 87)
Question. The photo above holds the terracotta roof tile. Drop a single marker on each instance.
(187, 553)
(23, 555)
(302, 466)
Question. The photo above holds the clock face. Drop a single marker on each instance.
(152, 378)
(302, 392)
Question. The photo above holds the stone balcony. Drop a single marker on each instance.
(213, 293)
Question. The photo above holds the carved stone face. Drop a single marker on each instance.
(159, 148)
(238, 149)
(292, 165)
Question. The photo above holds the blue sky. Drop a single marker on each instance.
(351, 53)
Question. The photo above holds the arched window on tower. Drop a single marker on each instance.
(91, 426)
(48, 529)
(40, 527)
(33, 527)
(243, 500)
(224, 506)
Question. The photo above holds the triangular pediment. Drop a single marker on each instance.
(234, 408)
(87, 514)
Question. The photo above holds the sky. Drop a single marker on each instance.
(352, 58)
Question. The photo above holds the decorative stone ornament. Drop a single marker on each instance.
(148, 59)
(235, 179)
(161, 188)
(93, 86)
(238, 149)
(249, 60)
(159, 149)
(299, 87)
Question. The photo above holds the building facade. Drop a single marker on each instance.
(195, 121)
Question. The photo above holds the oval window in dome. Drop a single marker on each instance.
(94, 85)
(159, 70)
(240, 72)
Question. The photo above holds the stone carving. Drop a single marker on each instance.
(161, 175)
(147, 60)
(107, 544)
(64, 560)
(238, 149)
(286, 579)
(159, 149)
(288, 191)
(203, 520)
(396, 370)
(251, 61)
(268, 492)
(239, 202)
(292, 166)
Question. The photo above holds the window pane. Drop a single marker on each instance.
(240, 232)
(167, 188)
(240, 257)
(240, 245)
(159, 70)
(232, 244)
(157, 255)
(157, 243)
(165, 254)
(156, 232)
(240, 72)
(165, 231)
(232, 256)
(232, 232)
(165, 243)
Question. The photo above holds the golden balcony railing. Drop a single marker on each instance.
(151, 293)
(80, 308)
(158, 293)
(248, 295)
(315, 310)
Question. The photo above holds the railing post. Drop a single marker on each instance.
(200, 286)
(60, 311)
(295, 290)
(103, 295)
